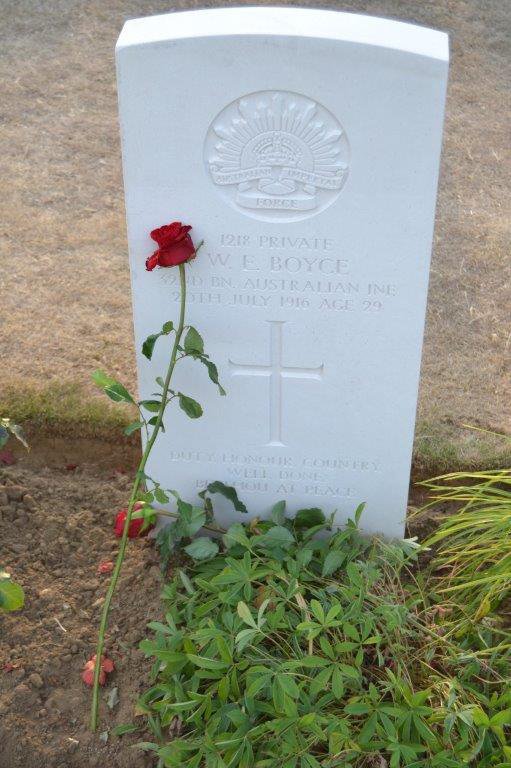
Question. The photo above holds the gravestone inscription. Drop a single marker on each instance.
(303, 146)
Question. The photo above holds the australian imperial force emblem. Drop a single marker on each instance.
(277, 156)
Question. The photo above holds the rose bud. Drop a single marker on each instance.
(136, 523)
(175, 246)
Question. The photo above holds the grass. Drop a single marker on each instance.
(70, 410)
(443, 447)
(65, 410)
(473, 544)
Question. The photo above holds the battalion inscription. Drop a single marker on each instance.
(281, 272)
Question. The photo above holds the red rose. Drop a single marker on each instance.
(107, 666)
(135, 525)
(175, 246)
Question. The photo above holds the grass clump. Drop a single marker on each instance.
(473, 544)
(444, 447)
(64, 409)
(68, 409)
(290, 649)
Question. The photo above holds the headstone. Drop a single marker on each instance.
(303, 147)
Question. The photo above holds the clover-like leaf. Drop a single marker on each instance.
(308, 518)
(278, 513)
(202, 548)
(333, 562)
(235, 534)
(245, 614)
(278, 536)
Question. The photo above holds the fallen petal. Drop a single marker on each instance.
(106, 567)
(107, 665)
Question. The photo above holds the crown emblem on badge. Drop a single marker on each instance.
(278, 151)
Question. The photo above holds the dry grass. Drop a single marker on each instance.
(64, 276)
(68, 411)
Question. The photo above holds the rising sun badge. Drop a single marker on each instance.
(277, 156)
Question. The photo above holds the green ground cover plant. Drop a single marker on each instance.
(288, 645)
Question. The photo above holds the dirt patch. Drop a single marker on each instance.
(65, 286)
(56, 528)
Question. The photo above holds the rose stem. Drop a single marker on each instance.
(134, 492)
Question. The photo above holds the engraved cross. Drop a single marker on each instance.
(276, 371)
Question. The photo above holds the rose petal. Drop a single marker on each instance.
(106, 567)
(152, 262)
(175, 254)
(167, 233)
(88, 676)
(107, 665)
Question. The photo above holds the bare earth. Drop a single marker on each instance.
(65, 304)
(56, 528)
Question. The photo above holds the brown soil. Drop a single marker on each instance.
(55, 528)
(65, 289)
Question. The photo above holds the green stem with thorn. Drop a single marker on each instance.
(133, 498)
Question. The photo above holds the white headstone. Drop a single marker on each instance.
(303, 147)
